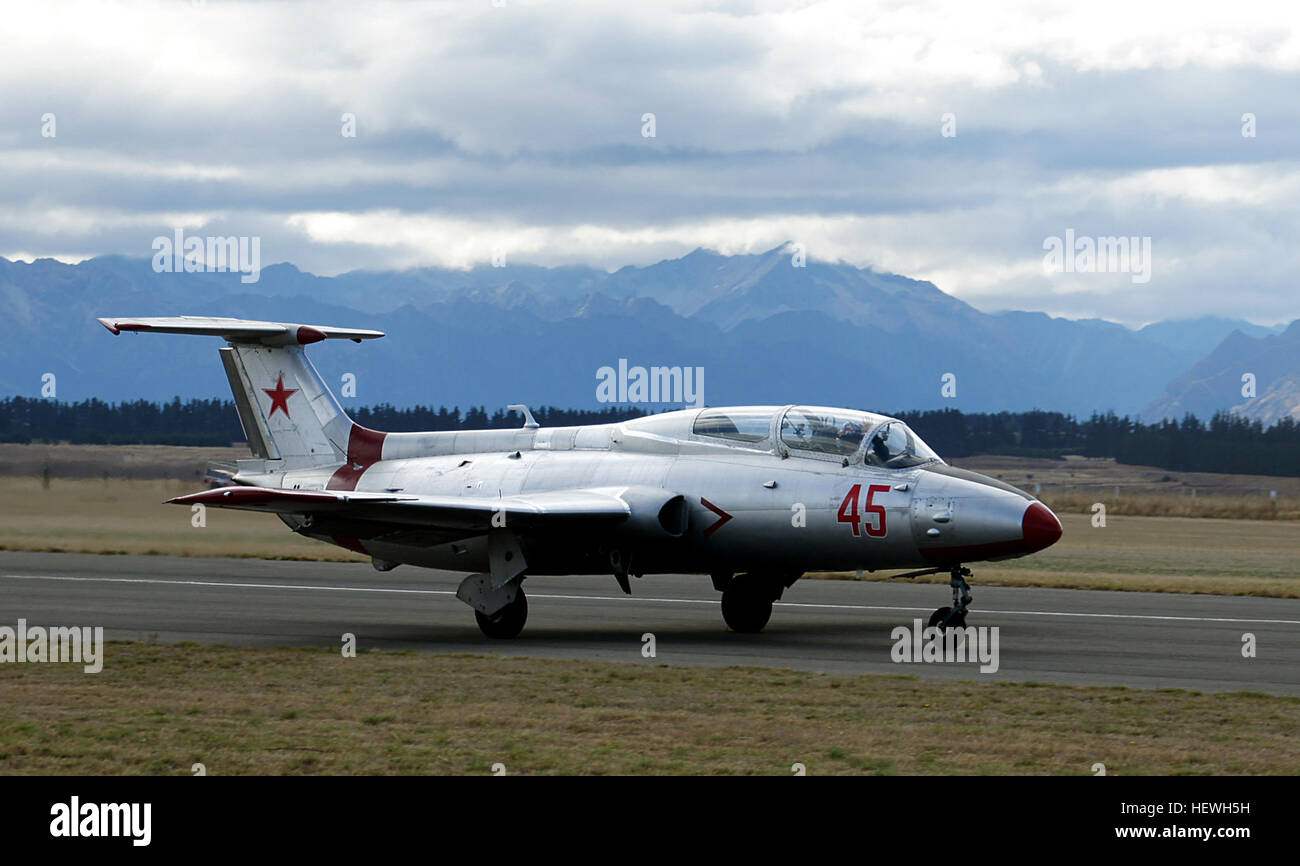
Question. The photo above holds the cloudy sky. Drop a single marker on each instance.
(487, 125)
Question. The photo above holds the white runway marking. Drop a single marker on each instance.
(531, 595)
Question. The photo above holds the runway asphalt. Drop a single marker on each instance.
(1076, 637)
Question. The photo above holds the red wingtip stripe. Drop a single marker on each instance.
(119, 327)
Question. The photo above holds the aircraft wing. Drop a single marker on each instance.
(462, 513)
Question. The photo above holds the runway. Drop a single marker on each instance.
(1075, 637)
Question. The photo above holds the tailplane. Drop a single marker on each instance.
(287, 411)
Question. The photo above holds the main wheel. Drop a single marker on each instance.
(938, 616)
(507, 622)
(746, 607)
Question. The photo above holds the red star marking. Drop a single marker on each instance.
(279, 396)
(723, 517)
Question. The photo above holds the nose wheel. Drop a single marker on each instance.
(954, 616)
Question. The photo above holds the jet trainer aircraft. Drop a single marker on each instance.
(753, 496)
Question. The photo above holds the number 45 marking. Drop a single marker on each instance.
(849, 514)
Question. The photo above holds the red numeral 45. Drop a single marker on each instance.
(849, 513)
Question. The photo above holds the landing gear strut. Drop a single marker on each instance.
(509, 621)
(954, 616)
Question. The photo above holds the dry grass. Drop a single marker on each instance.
(160, 709)
(117, 516)
(1075, 483)
(131, 462)
(1224, 506)
(1156, 554)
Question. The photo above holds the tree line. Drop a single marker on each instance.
(216, 422)
(1225, 443)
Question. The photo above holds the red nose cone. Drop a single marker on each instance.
(1040, 527)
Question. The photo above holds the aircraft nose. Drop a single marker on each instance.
(1039, 527)
(959, 516)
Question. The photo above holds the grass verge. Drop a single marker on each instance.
(158, 709)
(1154, 554)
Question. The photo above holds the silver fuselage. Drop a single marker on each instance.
(748, 507)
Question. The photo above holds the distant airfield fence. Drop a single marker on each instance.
(1226, 443)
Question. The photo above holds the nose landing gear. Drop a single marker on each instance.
(954, 616)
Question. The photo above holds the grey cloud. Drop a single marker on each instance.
(532, 118)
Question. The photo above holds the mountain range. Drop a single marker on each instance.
(1258, 377)
(762, 330)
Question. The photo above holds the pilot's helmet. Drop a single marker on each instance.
(852, 430)
(880, 443)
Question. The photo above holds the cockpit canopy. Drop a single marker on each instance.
(838, 432)
(741, 424)
(894, 446)
(842, 433)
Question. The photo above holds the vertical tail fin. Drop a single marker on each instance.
(286, 409)
(285, 406)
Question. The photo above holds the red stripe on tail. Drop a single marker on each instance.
(365, 448)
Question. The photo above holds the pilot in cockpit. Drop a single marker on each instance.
(880, 446)
(850, 434)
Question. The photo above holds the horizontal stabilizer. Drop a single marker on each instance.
(239, 330)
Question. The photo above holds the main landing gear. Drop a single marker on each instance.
(509, 621)
(498, 597)
(747, 599)
(747, 605)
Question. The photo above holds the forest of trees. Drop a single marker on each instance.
(215, 422)
(1226, 443)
